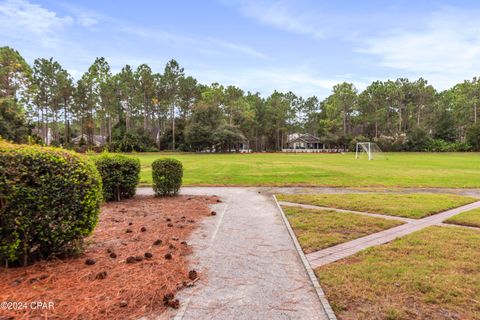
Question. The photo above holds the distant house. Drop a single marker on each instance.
(97, 140)
(304, 141)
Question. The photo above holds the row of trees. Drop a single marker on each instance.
(138, 109)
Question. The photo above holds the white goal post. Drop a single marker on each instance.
(372, 150)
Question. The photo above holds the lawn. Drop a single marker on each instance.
(416, 206)
(319, 229)
(469, 218)
(430, 274)
(456, 170)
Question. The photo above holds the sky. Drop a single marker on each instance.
(304, 46)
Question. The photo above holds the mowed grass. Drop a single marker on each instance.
(469, 218)
(416, 206)
(456, 170)
(320, 229)
(430, 274)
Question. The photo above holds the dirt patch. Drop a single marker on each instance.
(120, 275)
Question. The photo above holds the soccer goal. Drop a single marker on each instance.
(371, 149)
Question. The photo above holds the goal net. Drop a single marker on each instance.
(369, 149)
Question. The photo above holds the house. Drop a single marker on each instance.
(97, 140)
(304, 141)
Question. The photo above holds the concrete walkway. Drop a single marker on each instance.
(250, 267)
(343, 250)
(375, 215)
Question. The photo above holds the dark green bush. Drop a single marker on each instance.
(473, 137)
(438, 145)
(167, 176)
(133, 142)
(49, 200)
(120, 176)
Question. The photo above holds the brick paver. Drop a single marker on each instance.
(329, 255)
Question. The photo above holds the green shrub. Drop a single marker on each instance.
(418, 140)
(473, 137)
(49, 200)
(437, 145)
(120, 175)
(133, 142)
(167, 176)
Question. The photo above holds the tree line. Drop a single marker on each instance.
(138, 109)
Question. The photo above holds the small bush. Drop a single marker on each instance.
(120, 176)
(167, 176)
(49, 200)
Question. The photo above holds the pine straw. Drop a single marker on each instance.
(72, 285)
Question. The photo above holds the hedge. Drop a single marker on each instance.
(49, 200)
(120, 176)
(167, 176)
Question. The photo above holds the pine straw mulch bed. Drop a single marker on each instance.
(133, 262)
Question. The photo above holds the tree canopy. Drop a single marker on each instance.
(140, 109)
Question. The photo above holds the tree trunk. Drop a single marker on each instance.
(145, 122)
(399, 120)
(109, 129)
(127, 116)
(173, 127)
(418, 116)
(67, 124)
(475, 113)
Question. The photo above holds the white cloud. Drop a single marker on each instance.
(444, 49)
(280, 15)
(239, 48)
(300, 80)
(24, 20)
(86, 21)
(205, 45)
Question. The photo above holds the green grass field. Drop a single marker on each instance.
(415, 205)
(456, 170)
(430, 274)
(470, 218)
(320, 229)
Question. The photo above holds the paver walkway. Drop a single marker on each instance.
(376, 215)
(343, 250)
(251, 267)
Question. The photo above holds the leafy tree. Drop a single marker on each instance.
(126, 92)
(444, 127)
(170, 88)
(473, 137)
(227, 137)
(137, 109)
(345, 100)
(15, 83)
(206, 118)
(418, 140)
(13, 125)
(15, 73)
(145, 93)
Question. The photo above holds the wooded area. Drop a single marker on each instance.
(142, 110)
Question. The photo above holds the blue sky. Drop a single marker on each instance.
(304, 46)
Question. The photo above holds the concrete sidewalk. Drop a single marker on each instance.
(250, 266)
(343, 250)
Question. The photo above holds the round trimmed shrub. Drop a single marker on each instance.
(120, 176)
(167, 176)
(49, 200)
